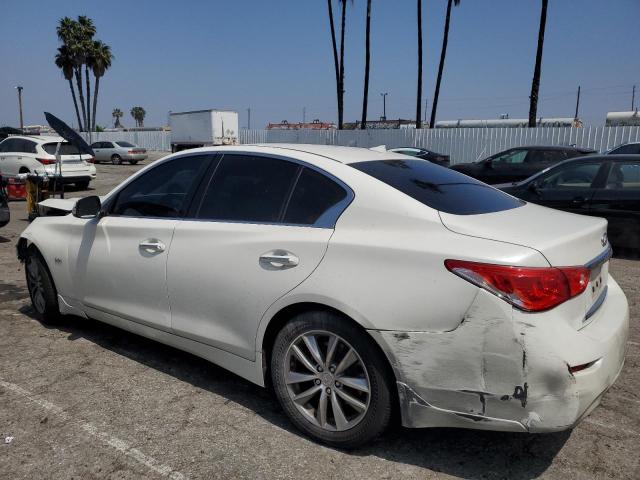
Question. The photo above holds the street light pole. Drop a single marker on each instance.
(248, 118)
(19, 88)
(384, 105)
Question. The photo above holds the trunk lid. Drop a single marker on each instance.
(565, 239)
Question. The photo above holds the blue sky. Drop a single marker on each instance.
(275, 57)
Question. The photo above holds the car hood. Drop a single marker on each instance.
(565, 239)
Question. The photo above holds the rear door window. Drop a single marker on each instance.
(631, 148)
(315, 196)
(247, 188)
(624, 176)
(439, 188)
(511, 157)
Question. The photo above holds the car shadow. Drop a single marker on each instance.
(4, 239)
(459, 452)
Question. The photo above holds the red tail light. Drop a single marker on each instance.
(131, 151)
(90, 160)
(46, 161)
(530, 289)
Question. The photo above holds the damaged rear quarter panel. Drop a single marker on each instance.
(494, 365)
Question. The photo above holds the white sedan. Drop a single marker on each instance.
(356, 282)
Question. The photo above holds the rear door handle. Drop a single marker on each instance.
(279, 259)
(152, 245)
(579, 200)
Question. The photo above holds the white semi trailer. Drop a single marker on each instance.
(202, 128)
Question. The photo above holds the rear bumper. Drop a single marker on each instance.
(502, 369)
(134, 156)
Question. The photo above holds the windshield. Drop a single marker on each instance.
(65, 148)
(125, 144)
(438, 187)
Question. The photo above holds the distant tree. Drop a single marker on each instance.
(138, 114)
(99, 60)
(535, 84)
(117, 114)
(365, 96)
(64, 61)
(443, 54)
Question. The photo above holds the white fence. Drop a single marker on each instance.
(462, 144)
(151, 140)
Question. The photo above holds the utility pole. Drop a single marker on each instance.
(577, 103)
(19, 88)
(426, 103)
(304, 114)
(384, 106)
(249, 118)
(633, 98)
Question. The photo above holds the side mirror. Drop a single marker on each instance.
(87, 207)
(488, 163)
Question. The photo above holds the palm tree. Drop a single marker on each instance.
(335, 61)
(117, 114)
(99, 61)
(419, 95)
(341, 92)
(365, 97)
(68, 31)
(64, 61)
(86, 30)
(138, 114)
(443, 54)
(535, 84)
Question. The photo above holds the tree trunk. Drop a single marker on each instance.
(75, 103)
(365, 97)
(78, 74)
(95, 100)
(88, 80)
(443, 54)
(335, 54)
(535, 84)
(341, 91)
(419, 94)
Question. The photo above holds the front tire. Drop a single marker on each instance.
(331, 379)
(42, 291)
(116, 159)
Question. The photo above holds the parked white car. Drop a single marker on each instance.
(116, 152)
(37, 154)
(354, 281)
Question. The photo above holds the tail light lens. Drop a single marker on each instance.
(531, 289)
(90, 160)
(46, 161)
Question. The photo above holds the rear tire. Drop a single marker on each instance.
(352, 400)
(83, 185)
(42, 290)
(116, 159)
(133, 162)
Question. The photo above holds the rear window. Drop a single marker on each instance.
(65, 148)
(438, 187)
(125, 144)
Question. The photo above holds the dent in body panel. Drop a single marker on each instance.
(490, 368)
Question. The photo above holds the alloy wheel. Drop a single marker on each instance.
(327, 380)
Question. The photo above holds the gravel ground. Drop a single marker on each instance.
(85, 400)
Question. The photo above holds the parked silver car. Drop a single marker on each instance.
(116, 152)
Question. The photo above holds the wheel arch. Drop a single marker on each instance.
(286, 313)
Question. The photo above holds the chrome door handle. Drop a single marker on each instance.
(152, 246)
(279, 259)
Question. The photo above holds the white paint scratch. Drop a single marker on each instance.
(114, 442)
